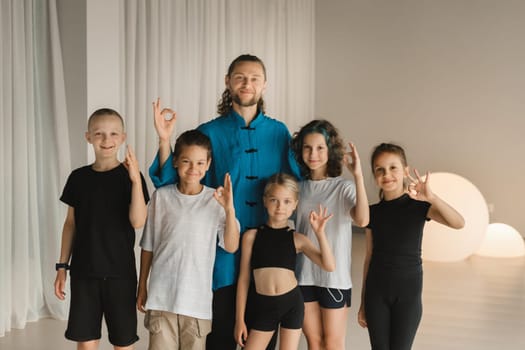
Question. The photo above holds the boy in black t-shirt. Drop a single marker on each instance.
(107, 201)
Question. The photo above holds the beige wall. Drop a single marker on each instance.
(444, 78)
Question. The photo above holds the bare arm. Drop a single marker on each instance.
(361, 318)
(138, 209)
(323, 256)
(243, 283)
(68, 235)
(224, 195)
(440, 211)
(145, 265)
(359, 212)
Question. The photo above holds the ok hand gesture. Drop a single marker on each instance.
(163, 126)
(132, 165)
(319, 219)
(419, 188)
(224, 194)
(352, 161)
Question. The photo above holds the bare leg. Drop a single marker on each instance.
(289, 339)
(334, 327)
(258, 340)
(313, 326)
(88, 345)
(130, 347)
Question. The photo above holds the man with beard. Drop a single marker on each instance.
(251, 147)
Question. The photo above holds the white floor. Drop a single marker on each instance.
(476, 304)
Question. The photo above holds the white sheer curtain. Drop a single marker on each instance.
(180, 50)
(34, 160)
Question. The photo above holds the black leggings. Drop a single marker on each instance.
(393, 308)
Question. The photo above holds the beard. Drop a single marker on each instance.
(251, 102)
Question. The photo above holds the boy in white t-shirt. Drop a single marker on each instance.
(184, 222)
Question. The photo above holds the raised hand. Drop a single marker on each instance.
(132, 165)
(163, 126)
(352, 161)
(224, 194)
(419, 188)
(319, 219)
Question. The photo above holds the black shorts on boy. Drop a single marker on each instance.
(93, 298)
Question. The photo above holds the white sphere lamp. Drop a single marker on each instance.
(502, 241)
(441, 243)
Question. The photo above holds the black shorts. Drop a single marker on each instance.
(113, 298)
(328, 298)
(286, 310)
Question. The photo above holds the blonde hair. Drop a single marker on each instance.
(281, 179)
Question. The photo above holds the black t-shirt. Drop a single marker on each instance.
(397, 232)
(104, 239)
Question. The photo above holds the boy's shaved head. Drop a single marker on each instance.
(104, 112)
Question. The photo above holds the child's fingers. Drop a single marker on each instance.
(241, 339)
(415, 181)
(227, 182)
(418, 177)
(59, 291)
(140, 307)
(130, 154)
(219, 195)
(427, 177)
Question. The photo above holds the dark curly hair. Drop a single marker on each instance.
(333, 141)
(225, 103)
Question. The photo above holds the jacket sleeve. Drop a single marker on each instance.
(165, 175)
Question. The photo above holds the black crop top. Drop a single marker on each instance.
(273, 248)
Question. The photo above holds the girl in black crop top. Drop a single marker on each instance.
(269, 254)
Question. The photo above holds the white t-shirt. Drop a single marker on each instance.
(338, 195)
(182, 231)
